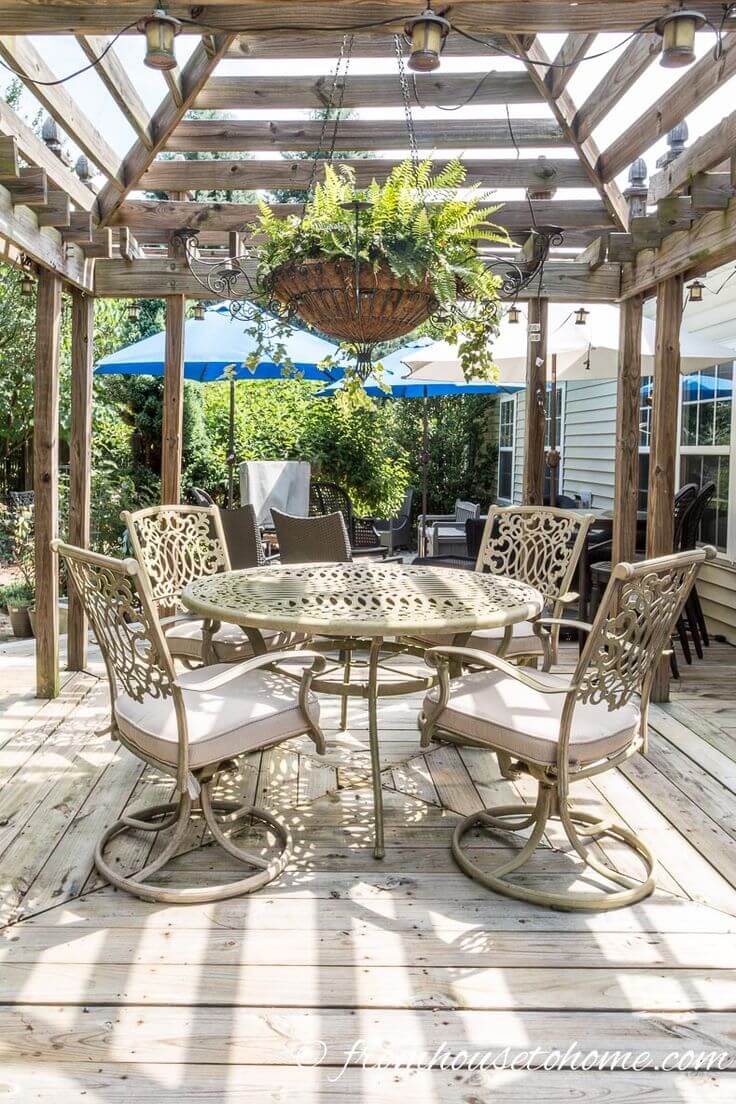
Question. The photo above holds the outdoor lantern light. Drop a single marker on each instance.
(678, 37)
(581, 316)
(427, 34)
(199, 311)
(513, 314)
(695, 292)
(26, 281)
(134, 311)
(160, 30)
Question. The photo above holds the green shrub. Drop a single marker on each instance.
(18, 595)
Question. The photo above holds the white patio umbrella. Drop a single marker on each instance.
(582, 352)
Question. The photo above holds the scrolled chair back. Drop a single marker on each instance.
(175, 545)
(539, 545)
(633, 627)
(118, 603)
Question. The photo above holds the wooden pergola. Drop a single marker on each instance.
(627, 247)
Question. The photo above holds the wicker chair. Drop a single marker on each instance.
(175, 545)
(190, 727)
(322, 539)
(242, 537)
(327, 498)
(558, 730)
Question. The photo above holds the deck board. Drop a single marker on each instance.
(126, 1001)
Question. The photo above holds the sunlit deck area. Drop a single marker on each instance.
(105, 998)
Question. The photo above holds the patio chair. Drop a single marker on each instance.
(445, 533)
(191, 727)
(395, 533)
(474, 528)
(541, 546)
(175, 545)
(200, 497)
(242, 537)
(322, 539)
(326, 498)
(558, 730)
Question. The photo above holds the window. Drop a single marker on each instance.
(506, 437)
(645, 433)
(705, 443)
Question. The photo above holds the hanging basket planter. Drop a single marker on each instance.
(323, 294)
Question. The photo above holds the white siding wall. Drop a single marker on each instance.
(589, 452)
(589, 457)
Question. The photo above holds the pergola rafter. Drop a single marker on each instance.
(117, 244)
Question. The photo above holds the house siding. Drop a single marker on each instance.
(588, 464)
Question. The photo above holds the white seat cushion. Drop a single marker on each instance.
(500, 711)
(185, 640)
(255, 710)
(524, 640)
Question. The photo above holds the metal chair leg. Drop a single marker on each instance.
(698, 609)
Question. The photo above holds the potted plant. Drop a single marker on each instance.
(17, 599)
(372, 265)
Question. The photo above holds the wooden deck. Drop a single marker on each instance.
(106, 999)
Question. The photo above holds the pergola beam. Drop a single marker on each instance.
(23, 57)
(33, 149)
(113, 75)
(375, 90)
(572, 51)
(153, 277)
(698, 82)
(196, 72)
(19, 227)
(564, 110)
(246, 135)
(160, 215)
(478, 16)
(625, 71)
(80, 463)
(178, 176)
(705, 153)
(709, 243)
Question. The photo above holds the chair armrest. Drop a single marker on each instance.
(430, 519)
(568, 598)
(564, 623)
(494, 662)
(235, 670)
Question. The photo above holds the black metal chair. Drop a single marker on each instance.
(690, 534)
(200, 497)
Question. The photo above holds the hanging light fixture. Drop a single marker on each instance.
(513, 314)
(134, 311)
(426, 33)
(695, 292)
(160, 30)
(678, 37)
(198, 311)
(27, 283)
(581, 316)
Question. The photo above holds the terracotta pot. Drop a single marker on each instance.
(20, 621)
(322, 293)
(63, 618)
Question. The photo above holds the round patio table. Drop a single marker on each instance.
(375, 605)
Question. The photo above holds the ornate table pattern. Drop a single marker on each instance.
(365, 601)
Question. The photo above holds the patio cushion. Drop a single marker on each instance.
(502, 712)
(231, 643)
(523, 640)
(255, 710)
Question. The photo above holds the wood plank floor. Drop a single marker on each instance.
(438, 990)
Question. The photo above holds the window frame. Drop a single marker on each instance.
(507, 400)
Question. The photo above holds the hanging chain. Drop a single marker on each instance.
(413, 150)
(339, 76)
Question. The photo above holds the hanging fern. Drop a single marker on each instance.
(419, 226)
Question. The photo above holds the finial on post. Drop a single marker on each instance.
(676, 140)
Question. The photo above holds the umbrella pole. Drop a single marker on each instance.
(553, 456)
(425, 472)
(231, 450)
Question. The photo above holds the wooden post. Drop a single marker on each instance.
(171, 446)
(628, 399)
(80, 464)
(536, 386)
(46, 481)
(663, 448)
(628, 394)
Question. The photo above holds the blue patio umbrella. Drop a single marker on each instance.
(396, 383)
(217, 348)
